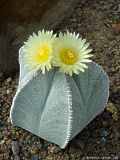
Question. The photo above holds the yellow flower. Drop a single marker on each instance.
(71, 53)
(38, 50)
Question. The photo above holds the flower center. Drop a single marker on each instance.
(68, 56)
(42, 54)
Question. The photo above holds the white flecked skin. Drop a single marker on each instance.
(55, 106)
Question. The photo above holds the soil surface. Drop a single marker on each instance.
(99, 22)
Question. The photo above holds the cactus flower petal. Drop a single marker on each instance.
(38, 51)
(71, 53)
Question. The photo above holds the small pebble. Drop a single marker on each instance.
(53, 149)
(34, 150)
(8, 91)
(16, 157)
(9, 80)
(104, 132)
(2, 141)
(35, 157)
(15, 147)
(8, 120)
(103, 140)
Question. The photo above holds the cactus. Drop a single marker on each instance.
(56, 106)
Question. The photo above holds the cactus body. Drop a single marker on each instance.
(57, 107)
